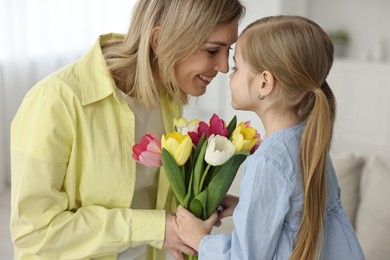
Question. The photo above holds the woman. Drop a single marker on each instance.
(76, 192)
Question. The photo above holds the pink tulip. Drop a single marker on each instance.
(254, 148)
(217, 127)
(148, 152)
(195, 136)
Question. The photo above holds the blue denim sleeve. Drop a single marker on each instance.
(265, 192)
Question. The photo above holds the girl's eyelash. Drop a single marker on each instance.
(233, 68)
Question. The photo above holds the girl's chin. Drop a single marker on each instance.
(235, 106)
(239, 107)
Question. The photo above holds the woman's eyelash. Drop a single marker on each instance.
(233, 68)
(212, 52)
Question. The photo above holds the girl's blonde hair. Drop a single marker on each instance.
(183, 26)
(300, 54)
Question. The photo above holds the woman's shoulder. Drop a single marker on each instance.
(86, 79)
(57, 85)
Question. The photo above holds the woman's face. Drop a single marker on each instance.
(195, 73)
(244, 83)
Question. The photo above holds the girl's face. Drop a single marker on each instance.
(195, 73)
(244, 83)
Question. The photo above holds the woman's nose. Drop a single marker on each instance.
(222, 64)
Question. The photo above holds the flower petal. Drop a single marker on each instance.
(179, 146)
(217, 126)
(219, 150)
(150, 159)
(149, 145)
(245, 138)
(184, 127)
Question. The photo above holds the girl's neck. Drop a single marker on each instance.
(274, 122)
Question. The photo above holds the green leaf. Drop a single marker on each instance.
(199, 147)
(188, 169)
(189, 195)
(231, 126)
(213, 171)
(198, 205)
(174, 175)
(198, 169)
(220, 184)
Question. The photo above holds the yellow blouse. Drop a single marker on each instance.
(73, 176)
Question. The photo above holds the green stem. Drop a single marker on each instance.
(204, 176)
(190, 257)
(183, 173)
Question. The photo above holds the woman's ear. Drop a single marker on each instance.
(267, 83)
(154, 38)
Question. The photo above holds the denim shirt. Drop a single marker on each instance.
(268, 215)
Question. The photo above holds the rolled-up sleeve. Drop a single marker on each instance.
(258, 219)
(58, 210)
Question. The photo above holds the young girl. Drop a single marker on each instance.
(289, 205)
(76, 192)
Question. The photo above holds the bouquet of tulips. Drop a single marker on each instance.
(200, 159)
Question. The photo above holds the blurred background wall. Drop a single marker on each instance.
(39, 36)
(359, 77)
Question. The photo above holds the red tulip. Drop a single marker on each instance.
(195, 136)
(217, 127)
(148, 152)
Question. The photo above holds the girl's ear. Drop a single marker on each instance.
(154, 38)
(267, 83)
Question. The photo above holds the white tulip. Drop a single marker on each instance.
(219, 150)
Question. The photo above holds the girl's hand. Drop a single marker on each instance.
(227, 206)
(192, 229)
(173, 244)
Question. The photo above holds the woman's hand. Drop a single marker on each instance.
(173, 244)
(227, 206)
(192, 229)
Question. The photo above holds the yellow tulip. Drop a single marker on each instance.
(179, 146)
(183, 126)
(244, 138)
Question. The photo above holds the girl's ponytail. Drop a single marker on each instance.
(315, 146)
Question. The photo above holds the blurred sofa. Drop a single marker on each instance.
(364, 181)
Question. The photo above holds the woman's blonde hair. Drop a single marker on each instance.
(300, 54)
(183, 26)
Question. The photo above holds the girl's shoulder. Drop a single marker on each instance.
(283, 145)
(279, 153)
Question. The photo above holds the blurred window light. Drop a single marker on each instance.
(34, 28)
